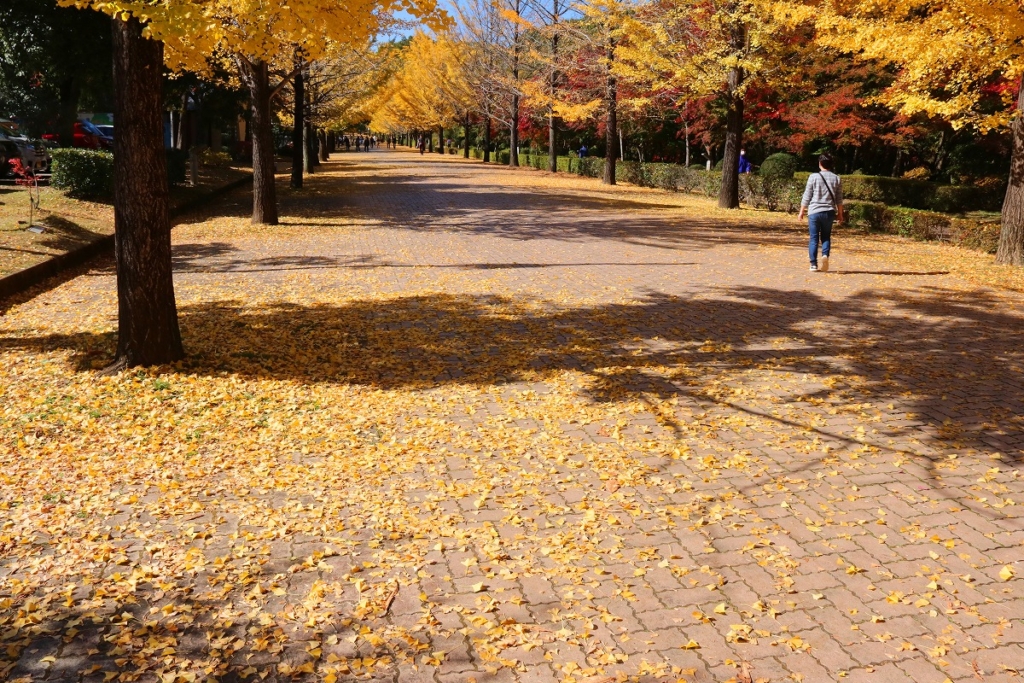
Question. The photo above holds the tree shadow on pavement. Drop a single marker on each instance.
(938, 370)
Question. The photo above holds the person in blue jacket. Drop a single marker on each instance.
(745, 165)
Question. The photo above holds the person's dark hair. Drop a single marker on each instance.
(826, 161)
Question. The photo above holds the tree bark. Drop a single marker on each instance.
(465, 141)
(300, 124)
(611, 122)
(147, 317)
(440, 139)
(264, 192)
(321, 137)
(70, 93)
(1011, 234)
(487, 138)
(552, 119)
(308, 148)
(513, 136)
(729, 193)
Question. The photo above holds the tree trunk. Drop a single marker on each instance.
(440, 139)
(308, 149)
(513, 134)
(264, 192)
(70, 92)
(465, 141)
(299, 116)
(487, 138)
(147, 318)
(611, 123)
(321, 136)
(1011, 235)
(729, 193)
(552, 119)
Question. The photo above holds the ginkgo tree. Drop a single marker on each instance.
(187, 35)
(429, 91)
(948, 56)
(700, 48)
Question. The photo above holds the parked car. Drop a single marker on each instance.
(87, 136)
(107, 130)
(33, 153)
(8, 151)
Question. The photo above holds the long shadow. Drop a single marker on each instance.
(951, 360)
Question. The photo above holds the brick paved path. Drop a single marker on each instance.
(771, 475)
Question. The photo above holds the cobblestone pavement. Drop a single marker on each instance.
(678, 454)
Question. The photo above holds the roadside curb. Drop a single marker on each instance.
(17, 283)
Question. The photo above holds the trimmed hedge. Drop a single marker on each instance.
(922, 194)
(973, 232)
(83, 173)
(770, 191)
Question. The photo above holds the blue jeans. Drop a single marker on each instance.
(820, 225)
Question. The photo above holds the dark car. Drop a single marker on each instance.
(8, 151)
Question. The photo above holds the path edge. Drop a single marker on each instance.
(19, 282)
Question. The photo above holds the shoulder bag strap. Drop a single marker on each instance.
(830, 194)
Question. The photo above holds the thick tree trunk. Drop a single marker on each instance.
(147, 318)
(611, 122)
(465, 141)
(1011, 235)
(299, 116)
(264, 192)
(729, 193)
(321, 137)
(440, 139)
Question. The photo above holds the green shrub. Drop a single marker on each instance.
(214, 159)
(978, 231)
(83, 173)
(177, 165)
(781, 166)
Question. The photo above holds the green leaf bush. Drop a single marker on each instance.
(83, 173)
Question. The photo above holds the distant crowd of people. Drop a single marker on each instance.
(364, 143)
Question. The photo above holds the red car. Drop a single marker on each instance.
(87, 136)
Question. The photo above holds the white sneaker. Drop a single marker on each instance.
(814, 268)
(824, 264)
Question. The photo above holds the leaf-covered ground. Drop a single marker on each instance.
(449, 423)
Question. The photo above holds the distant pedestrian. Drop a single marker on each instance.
(422, 144)
(583, 151)
(745, 165)
(823, 204)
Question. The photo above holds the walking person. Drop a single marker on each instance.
(823, 204)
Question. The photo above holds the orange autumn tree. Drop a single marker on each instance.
(187, 34)
(947, 55)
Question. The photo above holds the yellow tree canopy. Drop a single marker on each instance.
(946, 52)
(690, 46)
(429, 90)
(194, 30)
